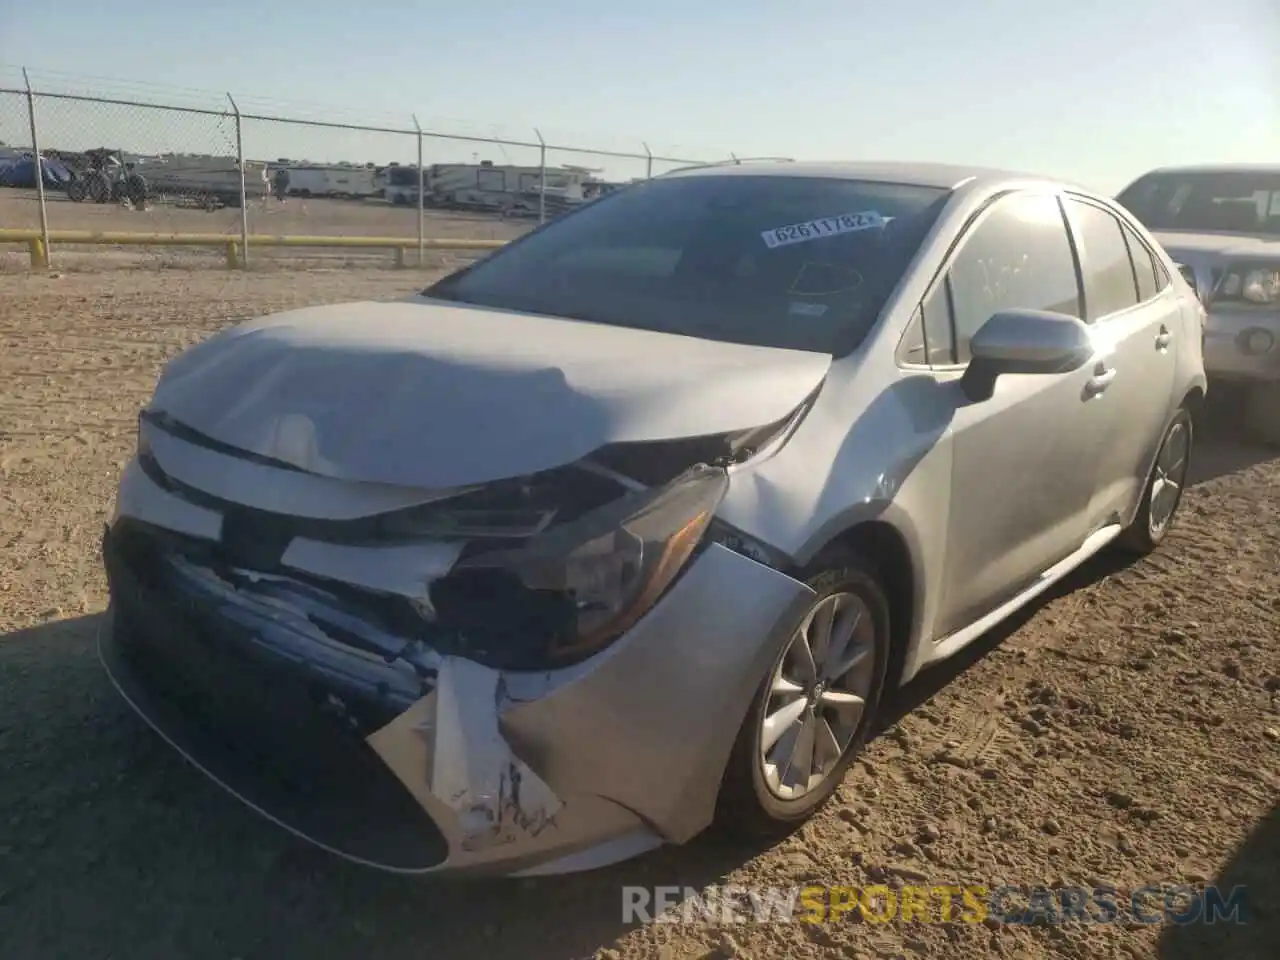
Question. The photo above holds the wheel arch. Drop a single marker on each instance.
(1194, 398)
(888, 549)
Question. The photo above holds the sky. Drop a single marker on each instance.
(1097, 91)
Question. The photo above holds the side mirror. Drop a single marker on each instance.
(1024, 341)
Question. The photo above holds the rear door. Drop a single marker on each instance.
(1023, 460)
(1136, 314)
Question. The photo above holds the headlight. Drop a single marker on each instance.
(575, 588)
(1261, 286)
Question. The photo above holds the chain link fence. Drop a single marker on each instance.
(138, 168)
(18, 205)
(245, 182)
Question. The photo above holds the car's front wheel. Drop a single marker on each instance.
(1163, 492)
(812, 712)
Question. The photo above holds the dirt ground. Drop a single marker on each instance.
(1126, 731)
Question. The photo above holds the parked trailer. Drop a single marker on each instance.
(399, 185)
(508, 188)
(332, 181)
(201, 181)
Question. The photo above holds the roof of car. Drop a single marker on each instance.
(942, 175)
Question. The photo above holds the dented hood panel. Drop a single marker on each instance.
(430, 394)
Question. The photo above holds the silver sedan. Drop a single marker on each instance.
(628, 527)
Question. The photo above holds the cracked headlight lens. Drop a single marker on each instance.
(575, 588)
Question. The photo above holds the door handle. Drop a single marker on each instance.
(1101, 379)
(1163, 338)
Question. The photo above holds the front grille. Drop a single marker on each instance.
(254, 539)
(273, 735)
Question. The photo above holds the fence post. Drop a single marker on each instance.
(244, 199)
(648, 166)
(41, 258)
(542, 177)
(422, 189)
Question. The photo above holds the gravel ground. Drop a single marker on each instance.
(1125, 731)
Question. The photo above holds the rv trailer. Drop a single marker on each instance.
(332, 180)
(207, 180)
(510, 188)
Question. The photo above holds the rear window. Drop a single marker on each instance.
(1226, 201)
(1109, 282)
(796, 262)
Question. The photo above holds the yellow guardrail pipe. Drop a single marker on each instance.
(231, 242)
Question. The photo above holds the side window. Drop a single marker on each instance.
(939, 340)
(1162, 275)
(1018, 256)
(1109, 283)
(1144, 265)
(912, 349)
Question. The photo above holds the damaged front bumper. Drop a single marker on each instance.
(377, 747)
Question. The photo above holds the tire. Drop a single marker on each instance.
(1144, 534)
(99, 188)
(77, 190)
(1262, 413)
(748, 803)
(135, 189)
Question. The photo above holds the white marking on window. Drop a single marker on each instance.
(822, 227)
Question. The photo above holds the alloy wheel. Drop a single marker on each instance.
(1169, 477)
(817, 696)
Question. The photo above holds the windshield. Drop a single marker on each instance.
(1228, 201)
(795, 262)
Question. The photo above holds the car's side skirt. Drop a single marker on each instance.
(961, 638)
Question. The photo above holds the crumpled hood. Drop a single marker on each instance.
(430, 394)
(1194, 249)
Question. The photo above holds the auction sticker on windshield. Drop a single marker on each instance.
(822, 227)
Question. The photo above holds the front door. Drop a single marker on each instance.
(1023, 461)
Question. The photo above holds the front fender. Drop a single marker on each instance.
(650, 723)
